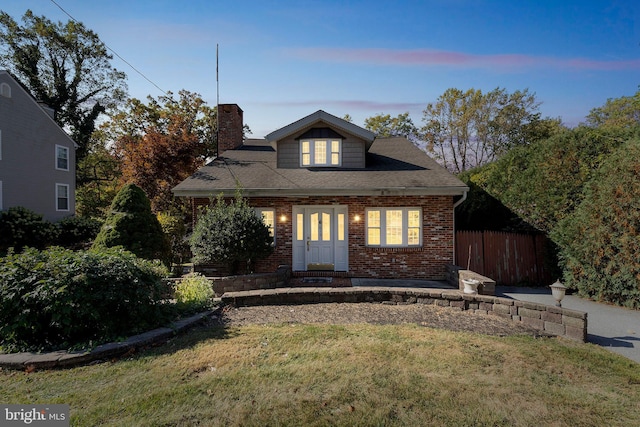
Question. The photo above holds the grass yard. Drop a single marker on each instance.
(301, 375)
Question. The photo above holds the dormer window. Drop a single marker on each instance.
(320, 147)
(320, 152)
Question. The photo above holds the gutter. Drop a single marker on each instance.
(459, 202)
(455, 205)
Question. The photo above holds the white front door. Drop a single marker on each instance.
(319, 238)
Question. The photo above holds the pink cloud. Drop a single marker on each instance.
(430, 57)
(352, 104)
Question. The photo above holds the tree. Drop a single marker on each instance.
(383, 125)
(543, 182)
(623, 112)
(468, 129)
(161, 143)
(98, 177)
(131, 224)
(600, 241)
(230, 233)
(67, 67)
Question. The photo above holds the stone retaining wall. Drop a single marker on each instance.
(278, 279)
(549, 319)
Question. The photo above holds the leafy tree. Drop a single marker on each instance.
(64, 65)
(161, 143)
(230, 233)
(623, 112)
(465, 129)
(131, 224)
(384, 125)
(543, 183)
(600, 241)
(98, 178)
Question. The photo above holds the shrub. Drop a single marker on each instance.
(20, 227)
(131, 224)
(59, 298)
(74, 232)
(230, 233)
(600, 242)
(194, 292)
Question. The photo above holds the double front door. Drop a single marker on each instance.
(320, 238)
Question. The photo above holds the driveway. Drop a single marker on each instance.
(614, 328)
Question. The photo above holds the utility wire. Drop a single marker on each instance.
(114, 52)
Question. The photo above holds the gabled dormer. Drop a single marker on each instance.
(321, 140)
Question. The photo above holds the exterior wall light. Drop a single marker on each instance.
(356, 218)
(558, 291)
(283, 218)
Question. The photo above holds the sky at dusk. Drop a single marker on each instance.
(282, 60)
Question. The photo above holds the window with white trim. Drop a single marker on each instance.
(394, 227)
(62, 197)
(269, 218)
(320, 152)
(62, 158)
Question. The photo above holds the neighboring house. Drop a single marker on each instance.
(37, 158)
(339, 200)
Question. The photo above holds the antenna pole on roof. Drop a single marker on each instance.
(217, 103)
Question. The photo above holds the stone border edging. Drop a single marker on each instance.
(550, 319)
(66, 359)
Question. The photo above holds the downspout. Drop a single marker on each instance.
(455, 205)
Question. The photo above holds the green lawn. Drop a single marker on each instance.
(303, 375)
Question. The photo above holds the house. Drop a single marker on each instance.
(339, 200)
(37, 158)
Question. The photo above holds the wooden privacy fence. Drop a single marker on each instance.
(507, 258)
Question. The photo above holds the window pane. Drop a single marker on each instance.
(320, 153)
(326, 227)
(413, 237)
(306, 153)
(394, 227)
(373, 236)
(373, 218)
(62, 200)
(315, 225)
(268, 217)
(341, 226)
(335, 152)
(414, 218)
(299, 227)
(62, 158)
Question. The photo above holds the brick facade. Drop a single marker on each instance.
(427, 262)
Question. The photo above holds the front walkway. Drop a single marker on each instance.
(614, 328)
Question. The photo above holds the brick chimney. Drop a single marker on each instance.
(230, 127)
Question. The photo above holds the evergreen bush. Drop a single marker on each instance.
(131, 224)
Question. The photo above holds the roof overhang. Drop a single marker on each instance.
(328, 192)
